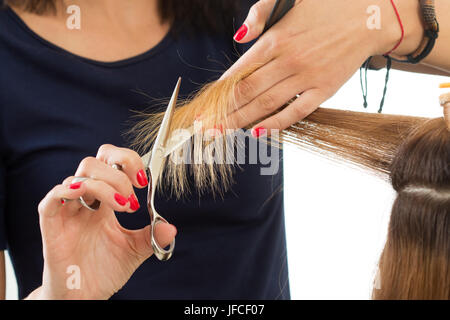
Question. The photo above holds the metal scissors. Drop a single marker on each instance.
(280, 9)
(162, 148)
(154, 161)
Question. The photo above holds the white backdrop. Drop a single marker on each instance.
(336, 217)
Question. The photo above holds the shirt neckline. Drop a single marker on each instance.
(162, 44)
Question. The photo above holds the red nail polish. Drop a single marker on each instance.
(120, 199)
(142, 178)
(62, 201)
(258, 132)
(219, 127)
(134, 203)
(240, 34)
(75, 185)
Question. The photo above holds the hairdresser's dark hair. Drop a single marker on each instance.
(212, 16)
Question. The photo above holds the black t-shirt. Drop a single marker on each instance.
(57, 108)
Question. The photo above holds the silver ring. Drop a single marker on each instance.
(117, 166)
(94, 206)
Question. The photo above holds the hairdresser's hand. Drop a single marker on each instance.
(313, 50)
(102, 253)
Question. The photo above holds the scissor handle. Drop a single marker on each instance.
(159, 252)
(279, 10)
(155, 218)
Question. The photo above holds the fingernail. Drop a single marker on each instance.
(120, 199)
(142, 178)
(258, 132)
(240, 34)
(219, 127)
(134, 203)
(62, 201)
(75, 185)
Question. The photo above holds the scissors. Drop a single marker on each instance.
(154, 161)
(279, 10)
(162, 147)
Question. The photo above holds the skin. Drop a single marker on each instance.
(110, 30)
(316, 48)
(106, 253)
(309, 51)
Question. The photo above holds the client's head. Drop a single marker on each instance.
(415, 263)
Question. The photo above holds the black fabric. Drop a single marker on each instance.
(57, 108)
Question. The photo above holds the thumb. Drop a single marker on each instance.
(253, 26)
(164, 234)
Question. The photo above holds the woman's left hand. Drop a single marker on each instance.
(313, 50)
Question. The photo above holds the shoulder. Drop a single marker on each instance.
(10, 26)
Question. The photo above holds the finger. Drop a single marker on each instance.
(266, 103)
(118, 179)
(303, 106)
(260, 53)
(52, 202)
(130, 162)
(261, 80)
(106, 194)
(254, 24)
(51, 207)
(140, 240)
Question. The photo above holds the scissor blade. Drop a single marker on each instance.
(165, 124)
(178, 140)
(146, 159)
(158, 150)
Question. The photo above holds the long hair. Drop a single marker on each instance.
(362, 139)
(415, 263)
(412, 152)
(211, 16)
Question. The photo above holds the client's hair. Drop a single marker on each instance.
(413, 152)
(415, 263)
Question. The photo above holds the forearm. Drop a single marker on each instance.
(438, 61)
(440, 56)
(379, 62)
(35, 295)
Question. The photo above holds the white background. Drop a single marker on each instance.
(336, 217)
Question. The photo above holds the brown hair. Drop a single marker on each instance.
(369, 142)
(413, 152)
(213, 16)
(415, 263)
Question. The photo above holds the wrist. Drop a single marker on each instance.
(410, 18)
(35, 295)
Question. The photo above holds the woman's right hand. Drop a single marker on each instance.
(93, 245)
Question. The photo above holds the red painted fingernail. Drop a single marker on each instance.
(258, 132)
(120, 199)
(142, 178)
(75, 185)
(134, 203)
(62, 201)
(240, 34)
(219, 127)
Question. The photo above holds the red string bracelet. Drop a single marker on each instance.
(401, 27)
